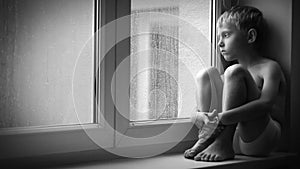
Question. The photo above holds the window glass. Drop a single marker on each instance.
(170, 43)
(42, 60)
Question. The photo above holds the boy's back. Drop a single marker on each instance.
(262, 72)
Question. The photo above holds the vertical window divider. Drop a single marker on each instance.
(216, 12)
(96, 118)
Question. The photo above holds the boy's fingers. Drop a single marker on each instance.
(199, 119)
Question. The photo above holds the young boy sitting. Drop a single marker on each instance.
(247, 103)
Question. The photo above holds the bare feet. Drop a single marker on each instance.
(221, 149)
(206, 136)
(199, 146)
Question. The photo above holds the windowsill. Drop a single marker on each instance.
(175, 161)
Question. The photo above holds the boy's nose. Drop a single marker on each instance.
(220, 43)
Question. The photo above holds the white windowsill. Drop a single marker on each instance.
(41, 141)
(175, 161)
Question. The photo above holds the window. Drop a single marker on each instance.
(47, 86)
(169, 43)
(41, 45)
(108, 73)
(163, 59)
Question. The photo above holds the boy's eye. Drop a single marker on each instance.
(226, 35)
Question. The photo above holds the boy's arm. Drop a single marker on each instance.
(261, 106)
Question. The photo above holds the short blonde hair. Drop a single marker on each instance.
(244, 18)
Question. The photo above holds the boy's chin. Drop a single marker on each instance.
(229, 58)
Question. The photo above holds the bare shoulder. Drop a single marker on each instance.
(270, 67)
(271, 71)
(274, 75)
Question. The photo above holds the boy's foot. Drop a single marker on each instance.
(199, 146)
(221, 149)
(206, 136)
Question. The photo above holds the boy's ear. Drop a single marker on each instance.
(252, 35)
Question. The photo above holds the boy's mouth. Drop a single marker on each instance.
(223, 52)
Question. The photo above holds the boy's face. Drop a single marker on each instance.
(231, 41)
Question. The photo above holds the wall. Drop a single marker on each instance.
(278, 14)
(295, 81)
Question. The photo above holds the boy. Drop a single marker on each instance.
(248, 101)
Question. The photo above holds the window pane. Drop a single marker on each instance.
(164, 38)
(40, 42)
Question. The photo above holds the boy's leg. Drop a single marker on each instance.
(239, 88)
(209, 90)
(208, 97)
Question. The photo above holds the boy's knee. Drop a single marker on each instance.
(235, 71)
(203, 76)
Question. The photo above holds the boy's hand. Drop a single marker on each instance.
(204, 118)
(213, 115)
(208, 123)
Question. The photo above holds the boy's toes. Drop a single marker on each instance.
(198, 157)
(186, 154)
(212, 158)
(203, 157)
(218, 158)
(189, 154)
(207, 157)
